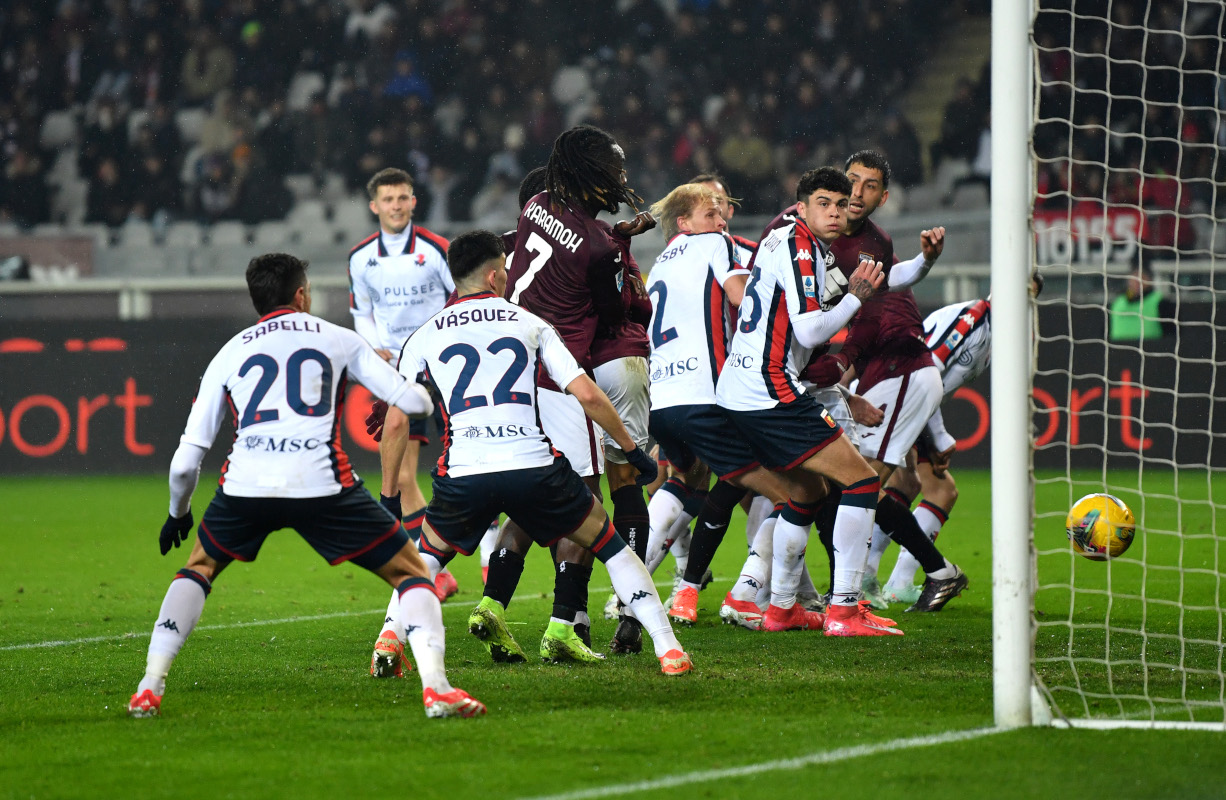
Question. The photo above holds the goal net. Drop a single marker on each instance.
(1129, 393)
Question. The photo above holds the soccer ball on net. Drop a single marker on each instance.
(1100, 526)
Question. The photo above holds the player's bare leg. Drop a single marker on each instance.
(633, 585)
(423, 617)
(180, 611)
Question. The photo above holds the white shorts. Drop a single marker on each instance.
(908, 402)
(571, 431)
(625, 381)
(833, 401)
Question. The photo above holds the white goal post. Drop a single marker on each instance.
(1077, 406)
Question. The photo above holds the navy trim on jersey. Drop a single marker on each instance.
(433, 239)
(482, 295)
(363, 243)
(748, 244)
(709, 319)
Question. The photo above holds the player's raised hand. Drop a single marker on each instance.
(175, 531)
(932, 242)
(642, 222)
(646, 465)
(867, 278)
(636, 286)
(384, 354)
(374, 420)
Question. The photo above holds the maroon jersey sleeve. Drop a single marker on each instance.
(627, 336)
(897, 347)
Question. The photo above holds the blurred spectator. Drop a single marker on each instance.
(224, 126)
(508, 162)
(260, 196)
(116, 76)
(960, 126)
(105, 137)
(404, 82)
(746, 157)
(275, 139)
(160, 197)
(496, 206)
(110, 199)
(899, 141)
(1142, 312)
(216, 196)
(208, 67)
(24, 198)
(438, 202)
(314, 135)
(257, 65)
(367, 20)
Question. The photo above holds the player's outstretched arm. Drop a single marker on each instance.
(818, 327)
(184, 475)
(908, 273)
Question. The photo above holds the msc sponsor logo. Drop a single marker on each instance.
(738, 360)
(272, 444)
(674, 368)
(495, 432)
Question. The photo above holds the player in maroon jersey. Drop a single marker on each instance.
(885, 349)
(565, 268)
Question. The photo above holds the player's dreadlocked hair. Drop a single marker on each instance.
(532, 185)
(585, 170)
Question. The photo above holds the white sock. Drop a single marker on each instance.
(853, 530)
(681, 548)
(180, 611)
(905, 568)
(881, 543)
(433, 564)
(633, 585)
(662, 512)
(423, 617)
(391, 620)
(489, 542)
(788, 561)
(759, 509)
(756, 572)
(806, 590)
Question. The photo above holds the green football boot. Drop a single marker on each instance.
(486, 622)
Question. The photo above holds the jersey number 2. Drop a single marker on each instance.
(293, 385)
(659, 337)
(502, 393)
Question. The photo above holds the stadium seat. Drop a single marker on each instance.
(273, 234)
(97, 231)
(320, 234)
(59, 129)
(353, 217)
(183, 234)
(190, 122)
(302, 87)
(923, 197)
(970, 197)
(949, 171)
(136, 233)
(136, 118)
(228, 233)
(308, 213)
(302, 186)
(69, 202)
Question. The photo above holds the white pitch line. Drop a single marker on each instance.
(254, 624)
(826, 757)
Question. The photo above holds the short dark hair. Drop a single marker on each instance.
(831, 179)
(873, 159)
(387, 177)
(469, 251)
(715, 177)
(532, 185)
(273, 279)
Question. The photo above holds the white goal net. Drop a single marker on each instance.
(1129, 392)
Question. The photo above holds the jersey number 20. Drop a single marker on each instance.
(293, 385)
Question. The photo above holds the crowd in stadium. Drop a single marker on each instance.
(468, 96)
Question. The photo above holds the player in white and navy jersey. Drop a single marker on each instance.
(283, 380)
(694, 285)
(398, 278)
(781, 320)
(487, 358)
(959, 336)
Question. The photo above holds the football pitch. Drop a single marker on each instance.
(271, 695)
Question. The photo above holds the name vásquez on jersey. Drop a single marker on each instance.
(476, 315)
(553, 226)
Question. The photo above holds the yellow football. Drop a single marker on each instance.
(1100, 526)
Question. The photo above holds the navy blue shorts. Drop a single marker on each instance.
(418, 428)
(550, 503)
(787, 435)
(350, 526)
(703, 431)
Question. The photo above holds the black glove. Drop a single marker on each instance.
(392, 504)
(645, 464)
(175, 531)
(374, 420)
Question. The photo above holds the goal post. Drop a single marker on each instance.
(1010, 252)
(1109, 177)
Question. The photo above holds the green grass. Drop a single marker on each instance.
(260, 710)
